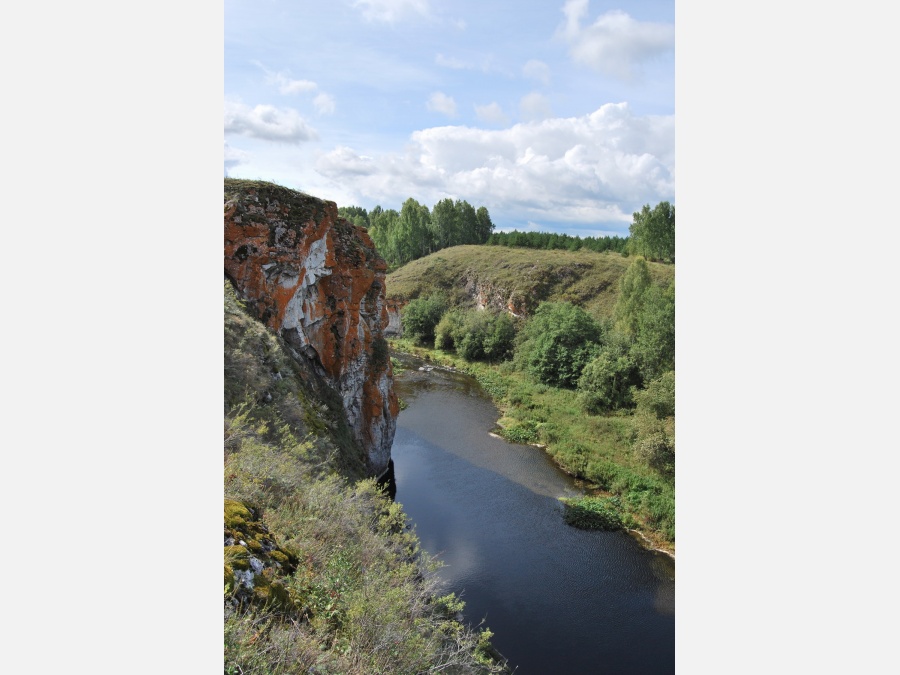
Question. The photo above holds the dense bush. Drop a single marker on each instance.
(557, 343)
(654, 423)
(476, 335)
(593, 513)
(421, 315)
(606, 382)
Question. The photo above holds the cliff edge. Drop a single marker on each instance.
(318, 281)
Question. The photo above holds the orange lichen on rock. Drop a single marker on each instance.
(318, 280)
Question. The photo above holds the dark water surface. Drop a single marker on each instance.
(558, 599)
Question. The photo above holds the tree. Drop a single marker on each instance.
(485, 226)
(416, 223)
(355, 214)
(653, 232)
(468, 223)
(444, 224)
(654, 346)
(557, 343)
(632, 288)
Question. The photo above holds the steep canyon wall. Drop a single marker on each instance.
(318, 280)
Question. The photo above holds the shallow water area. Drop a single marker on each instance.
(558, 599)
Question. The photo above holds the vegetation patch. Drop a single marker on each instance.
(593, 513)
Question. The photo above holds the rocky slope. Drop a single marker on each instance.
(515, 280)
(317, 280)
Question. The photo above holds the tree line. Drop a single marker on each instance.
(415, 231)
(552, 240)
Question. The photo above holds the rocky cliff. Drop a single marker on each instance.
(318, 280)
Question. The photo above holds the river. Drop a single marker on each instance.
(558, 599)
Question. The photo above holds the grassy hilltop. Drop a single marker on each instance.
(526, 276)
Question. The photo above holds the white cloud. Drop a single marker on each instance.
(615, 44)
(537, 70)
(284, 82)
(491, 113)
(288, 86)
(343, 161)
(389, 11)
(267, 122)
(324, 103)
(440, 102)
(591, 169)
(234, 157)
(534, 107)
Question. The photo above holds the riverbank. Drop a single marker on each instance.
(593, 449)
(491, 511)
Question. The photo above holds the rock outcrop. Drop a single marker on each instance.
(394, 307)
(318, 280)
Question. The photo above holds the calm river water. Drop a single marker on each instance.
(558, 599)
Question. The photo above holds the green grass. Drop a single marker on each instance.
(522, 277)
(593, 513)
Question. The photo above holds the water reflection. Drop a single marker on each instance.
(558, 599)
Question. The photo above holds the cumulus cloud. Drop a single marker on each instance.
(591, 169)
(343, 161)
(324, 103)
(234, 157)
(440, 102)
(615, 44)
(491, 113)
(535, 106)
(390, 11)
(267, 122)
(537, 70)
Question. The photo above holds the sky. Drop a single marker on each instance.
(558, 115)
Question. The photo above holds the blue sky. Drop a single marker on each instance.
(555, 115)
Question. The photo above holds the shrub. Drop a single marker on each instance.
(447, 329)
(421, 315)
(654, 423)
(557, 343)
(476, 334)
(593, 513)
(606, 382)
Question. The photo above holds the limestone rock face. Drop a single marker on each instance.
(394, 307)
(318, 280)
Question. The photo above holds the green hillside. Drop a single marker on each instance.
(586, 371)
(525, 277)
